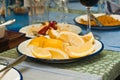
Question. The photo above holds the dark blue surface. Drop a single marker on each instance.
(21, 20)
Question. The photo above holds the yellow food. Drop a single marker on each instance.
(106, 20)
(39, 52)
(38, 41)
(57, 54)
(53, 43)
(80, 51)
(66, 45)
(71, 38)
(53, 33)
(88, 37)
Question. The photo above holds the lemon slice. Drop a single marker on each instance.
(39, 52)
(38, 41)
(88, 37)
(72, 38)
(53, 33)
(80, 51)
(53, 43)
(57, 53)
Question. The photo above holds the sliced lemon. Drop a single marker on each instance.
(80, 51)
(53, 43)
(39, 52)
(72, 38)
(57, 53)
(53, 33)
(88, 37)
(38, 41)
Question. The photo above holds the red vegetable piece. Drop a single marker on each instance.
(43, 30)
(52, 24)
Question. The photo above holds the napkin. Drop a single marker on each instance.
(112, 7)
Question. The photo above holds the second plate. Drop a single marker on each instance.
(69, 27)
(77, 21)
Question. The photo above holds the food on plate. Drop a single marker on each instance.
(53, 33)
(54, 43)
(88, 37)
(49, 53)
(41, 52)
(66, 36)
(64, 46)
(44, 28)
(83, 50)
(38, 41)
(71, 38)
(106, 20)
(57, 53)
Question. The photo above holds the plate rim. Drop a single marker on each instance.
(19, 73)
(96, 27)
(40, 24)
(28, 27)
(62, 60)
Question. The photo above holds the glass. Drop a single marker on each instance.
(15, 10)
(39, 11)
(2, 31)
(62, 6)
(2, 11)
(88, 4)
(2, 16)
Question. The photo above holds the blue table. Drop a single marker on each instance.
(109, 38)
(21, 20)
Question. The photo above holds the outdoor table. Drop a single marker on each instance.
(103, 66)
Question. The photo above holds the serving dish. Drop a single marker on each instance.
(12, 74)
(84, 17)
(23, 49)
(28, 33)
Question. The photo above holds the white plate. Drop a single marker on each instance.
(29, 34)
(23, 49)
(13, 74)
(77, 20)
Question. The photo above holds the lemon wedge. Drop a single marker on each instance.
(57, 53)
(72, 38)
(39, 52)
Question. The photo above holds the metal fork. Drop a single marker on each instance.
(4, 73)
(96, 20)
(9, 66)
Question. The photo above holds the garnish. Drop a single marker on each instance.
(46, 26)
